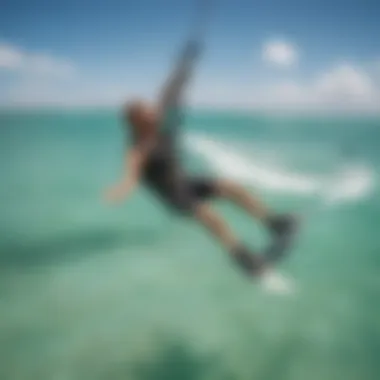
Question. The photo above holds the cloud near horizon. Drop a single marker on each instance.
(343, 87)
(42, 80)
(16, 60)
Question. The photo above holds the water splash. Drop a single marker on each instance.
(350, 183)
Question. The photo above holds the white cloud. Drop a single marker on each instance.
(49, 66)
(77, 93)
(345, 81)
(12, 58)
(343, 87)
(280, 53)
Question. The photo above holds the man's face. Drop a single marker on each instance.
(142, 113)
(142, 116)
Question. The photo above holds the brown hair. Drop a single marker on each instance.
(131, 111)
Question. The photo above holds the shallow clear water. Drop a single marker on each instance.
(90, 291)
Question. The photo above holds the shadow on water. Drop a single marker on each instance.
(73, 245)
(280, 361)
(170, 361)
(173, 361)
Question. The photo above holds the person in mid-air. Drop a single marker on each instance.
(153, 161)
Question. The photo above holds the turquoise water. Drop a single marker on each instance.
(92, 291)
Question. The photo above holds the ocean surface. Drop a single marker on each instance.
(93, 291)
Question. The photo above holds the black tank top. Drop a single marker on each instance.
(162, 166)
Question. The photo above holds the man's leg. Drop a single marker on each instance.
(206, 188)
(214, 223)
(277, 224)
(244, 199)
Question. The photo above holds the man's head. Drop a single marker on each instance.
(140, 116)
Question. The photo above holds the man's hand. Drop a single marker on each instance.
(133, 166)
(118, 192)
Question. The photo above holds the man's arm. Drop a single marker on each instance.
(134, 162)
(170, 100)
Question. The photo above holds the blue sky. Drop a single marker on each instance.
(297, 54)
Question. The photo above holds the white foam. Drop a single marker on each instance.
(274, 282)
(352, 183)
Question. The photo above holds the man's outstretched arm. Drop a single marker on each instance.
(170, 100)
(133, 161)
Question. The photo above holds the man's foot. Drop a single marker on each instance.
(282, 228)
(252, 263)
(281, 225)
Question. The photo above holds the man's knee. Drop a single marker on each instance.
(205, 213)
(226, 187)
